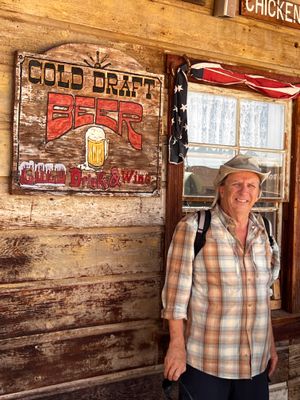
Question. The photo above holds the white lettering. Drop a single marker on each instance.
(279, 10)
(288, 11)
(248, 6)
(297, 14)
(273, 3)
(259, 4)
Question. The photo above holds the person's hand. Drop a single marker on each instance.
(273, 361)
(175, 361)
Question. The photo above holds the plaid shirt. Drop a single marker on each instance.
(224, 293)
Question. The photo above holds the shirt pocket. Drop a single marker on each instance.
(261, 254)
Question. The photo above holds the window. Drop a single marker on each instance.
(224, 122)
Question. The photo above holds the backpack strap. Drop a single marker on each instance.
(204, 218)
(269, 230)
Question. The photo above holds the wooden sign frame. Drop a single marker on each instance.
(86, 120)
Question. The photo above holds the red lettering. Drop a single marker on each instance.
(127, 175)
(93, 183)
(27, 177)
(80, 116)
(65, 111)
(102, 181)
(133, 176)
(84, 181)
(103, 107)
(76, 175)
(140, 179)
(131, 112)
(41, 173)
(114, 178)
(147, 179)
(40, 176)
(59, 115)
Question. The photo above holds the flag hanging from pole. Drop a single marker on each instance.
(216, 74)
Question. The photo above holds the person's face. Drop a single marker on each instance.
(239, 192)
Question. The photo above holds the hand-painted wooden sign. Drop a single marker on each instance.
(87, 120)
(281, 12)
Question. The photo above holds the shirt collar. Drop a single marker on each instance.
(229, 223)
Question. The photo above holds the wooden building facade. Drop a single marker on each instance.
(81, 275)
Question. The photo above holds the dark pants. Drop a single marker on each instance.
(196, 385)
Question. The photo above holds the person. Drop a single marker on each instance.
(218, 303)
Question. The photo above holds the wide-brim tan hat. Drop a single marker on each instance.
(239, 163)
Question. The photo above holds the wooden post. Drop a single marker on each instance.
(291, 226)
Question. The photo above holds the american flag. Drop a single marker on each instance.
(179, 141)
(215, 73)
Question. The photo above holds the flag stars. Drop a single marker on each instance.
(183, 107)
(175, 109)
(178, 88)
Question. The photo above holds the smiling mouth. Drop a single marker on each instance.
(242, 200)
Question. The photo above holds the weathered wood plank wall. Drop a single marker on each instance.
(80, 277)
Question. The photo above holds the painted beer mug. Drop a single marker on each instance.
(96, 147)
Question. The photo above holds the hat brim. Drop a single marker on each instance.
(225, 170)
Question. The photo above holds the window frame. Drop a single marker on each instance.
(285, 151)
(290, 252)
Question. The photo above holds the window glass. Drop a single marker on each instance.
(213, 118)
(273, 162)
(261, 124)
(224, 122)
(201, 166)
